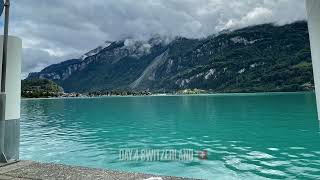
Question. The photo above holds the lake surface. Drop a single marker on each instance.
(253, 136)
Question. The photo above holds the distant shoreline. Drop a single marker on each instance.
(173, 95)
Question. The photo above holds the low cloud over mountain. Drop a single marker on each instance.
(53, 31)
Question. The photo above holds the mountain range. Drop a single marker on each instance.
(258, 58)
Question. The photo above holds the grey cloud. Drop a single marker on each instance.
(55, 30)
(34, 60)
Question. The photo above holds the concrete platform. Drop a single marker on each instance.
(29, 170)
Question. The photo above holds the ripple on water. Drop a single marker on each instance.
(260, 155)
(273, 149)
(275, 163)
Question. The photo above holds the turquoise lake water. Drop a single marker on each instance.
(253, 136)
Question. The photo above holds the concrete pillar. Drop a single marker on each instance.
(10, 101)
(313, 9)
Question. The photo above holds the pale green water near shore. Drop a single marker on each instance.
(247, 136)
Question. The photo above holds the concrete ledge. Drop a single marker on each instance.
(34, 170)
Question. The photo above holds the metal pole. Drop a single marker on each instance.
(3, 157)
(5, 46)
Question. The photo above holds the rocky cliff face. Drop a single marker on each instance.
(257, 58)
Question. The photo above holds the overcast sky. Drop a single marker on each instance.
(56, 30)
